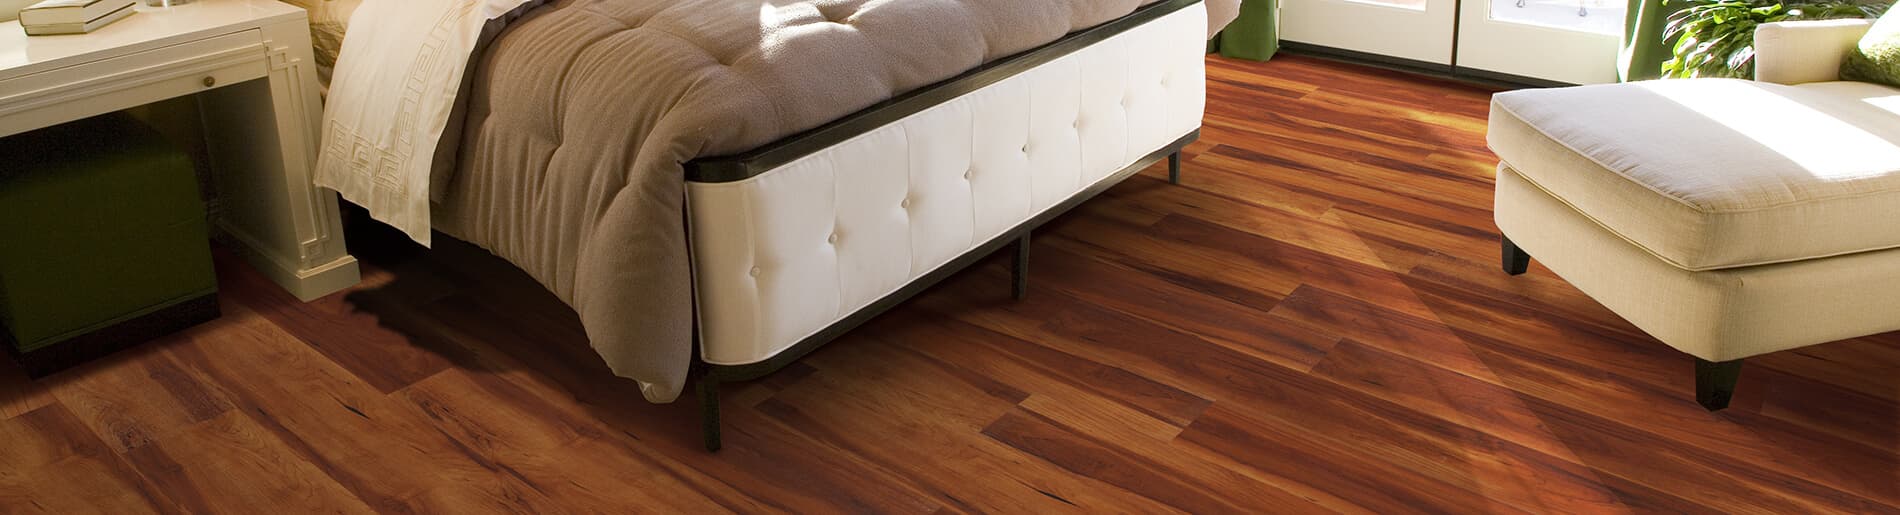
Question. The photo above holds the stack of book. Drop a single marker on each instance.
(73, 16)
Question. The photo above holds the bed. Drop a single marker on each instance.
(834, 183)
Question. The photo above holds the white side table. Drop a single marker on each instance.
(250, 62)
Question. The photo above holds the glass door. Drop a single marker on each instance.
(1570, 41)
(1415, 30)
(1573, 41)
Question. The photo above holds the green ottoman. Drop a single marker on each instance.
(102, 242)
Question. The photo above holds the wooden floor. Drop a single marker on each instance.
(1314, 321)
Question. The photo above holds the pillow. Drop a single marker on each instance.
(1877, 57)
(329, 19)
(397, 90)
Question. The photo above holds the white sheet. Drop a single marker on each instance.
(391, 95)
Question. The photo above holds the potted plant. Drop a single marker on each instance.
(1716, 38)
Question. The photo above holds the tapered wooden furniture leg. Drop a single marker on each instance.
(709, 411)
(1174, 168)
(1715, 382)
(1516, 260)
(1019, 273)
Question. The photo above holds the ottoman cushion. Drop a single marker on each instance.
(1709, 174)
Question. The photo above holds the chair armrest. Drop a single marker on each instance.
(1794, 52)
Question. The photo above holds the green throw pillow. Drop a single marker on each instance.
(1877, 57)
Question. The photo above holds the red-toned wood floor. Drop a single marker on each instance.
(1314, 321)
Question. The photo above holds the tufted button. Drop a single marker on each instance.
(755, 271)
(833, 238)
(904, 203)
(966, 173)
(836, 15)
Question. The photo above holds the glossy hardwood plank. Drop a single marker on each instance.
(346, 331)
(1082, 387)
(1114, 465)
(19, 395)
(1274, 396)
(1349, 485)
(757, 447)
(514, 435)
(50, 463)
(1638, 456)
(873, 401)
(1422, 338)
(320, 411)
(164, 396)
(1868, 356)
(1238, 326)
(1447, 395)
(85, 484)
(1313, 322)
(231, 464)
(1309, 267)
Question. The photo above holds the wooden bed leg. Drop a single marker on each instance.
(709, 411)
(1174, 168)
(1715, 382)
(1516, 260)
(1019, 274)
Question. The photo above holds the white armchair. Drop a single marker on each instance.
(1796, 52)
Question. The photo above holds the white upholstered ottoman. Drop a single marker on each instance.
(1727, 218)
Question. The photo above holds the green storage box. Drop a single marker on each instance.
(102, 242)
(1255, 35)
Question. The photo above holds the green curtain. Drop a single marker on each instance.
(1644, 48)
(1255, 35)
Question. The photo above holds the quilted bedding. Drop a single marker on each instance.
(581, 115)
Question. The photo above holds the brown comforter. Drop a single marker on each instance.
(582, 113)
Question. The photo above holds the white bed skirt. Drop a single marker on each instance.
(784, 254)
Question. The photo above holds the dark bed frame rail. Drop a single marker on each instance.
(785, 151)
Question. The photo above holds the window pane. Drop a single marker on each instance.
(1597, 16)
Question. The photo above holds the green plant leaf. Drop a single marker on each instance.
(1716, 38)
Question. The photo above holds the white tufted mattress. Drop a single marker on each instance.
(582, 115)
(784, 254)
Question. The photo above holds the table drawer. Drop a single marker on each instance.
(106, 85)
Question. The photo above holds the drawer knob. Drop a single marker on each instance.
(211, 81)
